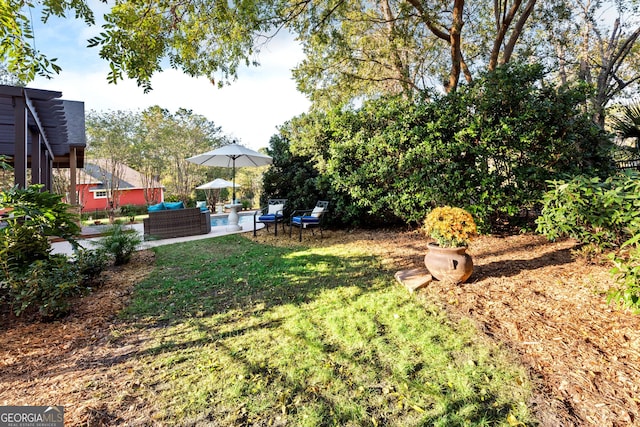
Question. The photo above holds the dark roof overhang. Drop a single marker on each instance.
(60, 123)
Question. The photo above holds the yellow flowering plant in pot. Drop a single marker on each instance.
(452, 228)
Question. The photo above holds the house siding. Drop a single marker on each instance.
(132, 196)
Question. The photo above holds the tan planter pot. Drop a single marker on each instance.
(448, 264)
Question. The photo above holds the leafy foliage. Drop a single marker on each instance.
(31, 275)
(34, 215)
(591, 210)
(488, 148)
(200, 38)
(290, 175)
(296, 177)
(626, 269)
(602, 213)
(89, 264)
(156, 143)
(119, 243)
(47, 284)
(627, 124)
(23, 59)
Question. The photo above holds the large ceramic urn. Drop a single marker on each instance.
(448, 264)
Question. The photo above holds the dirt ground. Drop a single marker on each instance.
(536, 298)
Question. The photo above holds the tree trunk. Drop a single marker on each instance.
(502, 25)
(399, 67)
(456, 48)
(608, 84)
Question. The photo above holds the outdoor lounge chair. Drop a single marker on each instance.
(273, 213)
(308, 218)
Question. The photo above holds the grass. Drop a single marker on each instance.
(244, 333)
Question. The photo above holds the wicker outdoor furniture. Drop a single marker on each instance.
(170, 223)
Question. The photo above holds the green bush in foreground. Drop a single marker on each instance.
(33, 216)
(601, 213)
(626, 269)
(48, 285)
(591, 210)
(31, 277)
(119, 243)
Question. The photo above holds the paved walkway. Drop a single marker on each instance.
(65, 248)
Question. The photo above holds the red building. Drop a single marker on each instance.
(101, 183)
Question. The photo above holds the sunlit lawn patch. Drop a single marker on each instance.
(255, 334)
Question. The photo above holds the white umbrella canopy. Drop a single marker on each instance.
(217, 184)
(230, 156)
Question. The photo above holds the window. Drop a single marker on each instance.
(100, 194)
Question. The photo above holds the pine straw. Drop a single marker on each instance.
(531, 296)
(550, 308)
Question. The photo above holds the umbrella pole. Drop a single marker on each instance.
(233, 201)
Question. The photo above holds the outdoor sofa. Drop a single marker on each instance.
(167, 220)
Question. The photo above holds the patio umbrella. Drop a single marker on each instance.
(230, 156)
(217, 184)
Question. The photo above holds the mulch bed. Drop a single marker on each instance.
(536, 298)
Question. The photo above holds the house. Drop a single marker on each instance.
(102, 182)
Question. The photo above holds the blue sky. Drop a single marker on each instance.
(248, 110)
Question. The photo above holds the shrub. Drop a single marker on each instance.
(590, 210)
(119, 243)
(35, 215)
(626, 270)
(32, 276)
(90, 263)
(601, 213)
(48, 285)
(488, 147)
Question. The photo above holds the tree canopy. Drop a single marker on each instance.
(156, 143)
(355, 49)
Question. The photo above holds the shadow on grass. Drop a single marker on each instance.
(215, 291)
(231, 273)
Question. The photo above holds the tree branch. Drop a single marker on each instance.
(502, 31)
(517, 30)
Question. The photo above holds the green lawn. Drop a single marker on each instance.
(244, 333)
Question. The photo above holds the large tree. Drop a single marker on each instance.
(156, 143)
(596, 42)
(111, 137)
(355, 49)
(190, 134)
(213, 38)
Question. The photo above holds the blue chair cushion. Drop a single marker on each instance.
(173, 205)
(270, 217)
(156, 208)
(203, 208)
(306, 219)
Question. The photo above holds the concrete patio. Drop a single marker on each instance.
(92, 234)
